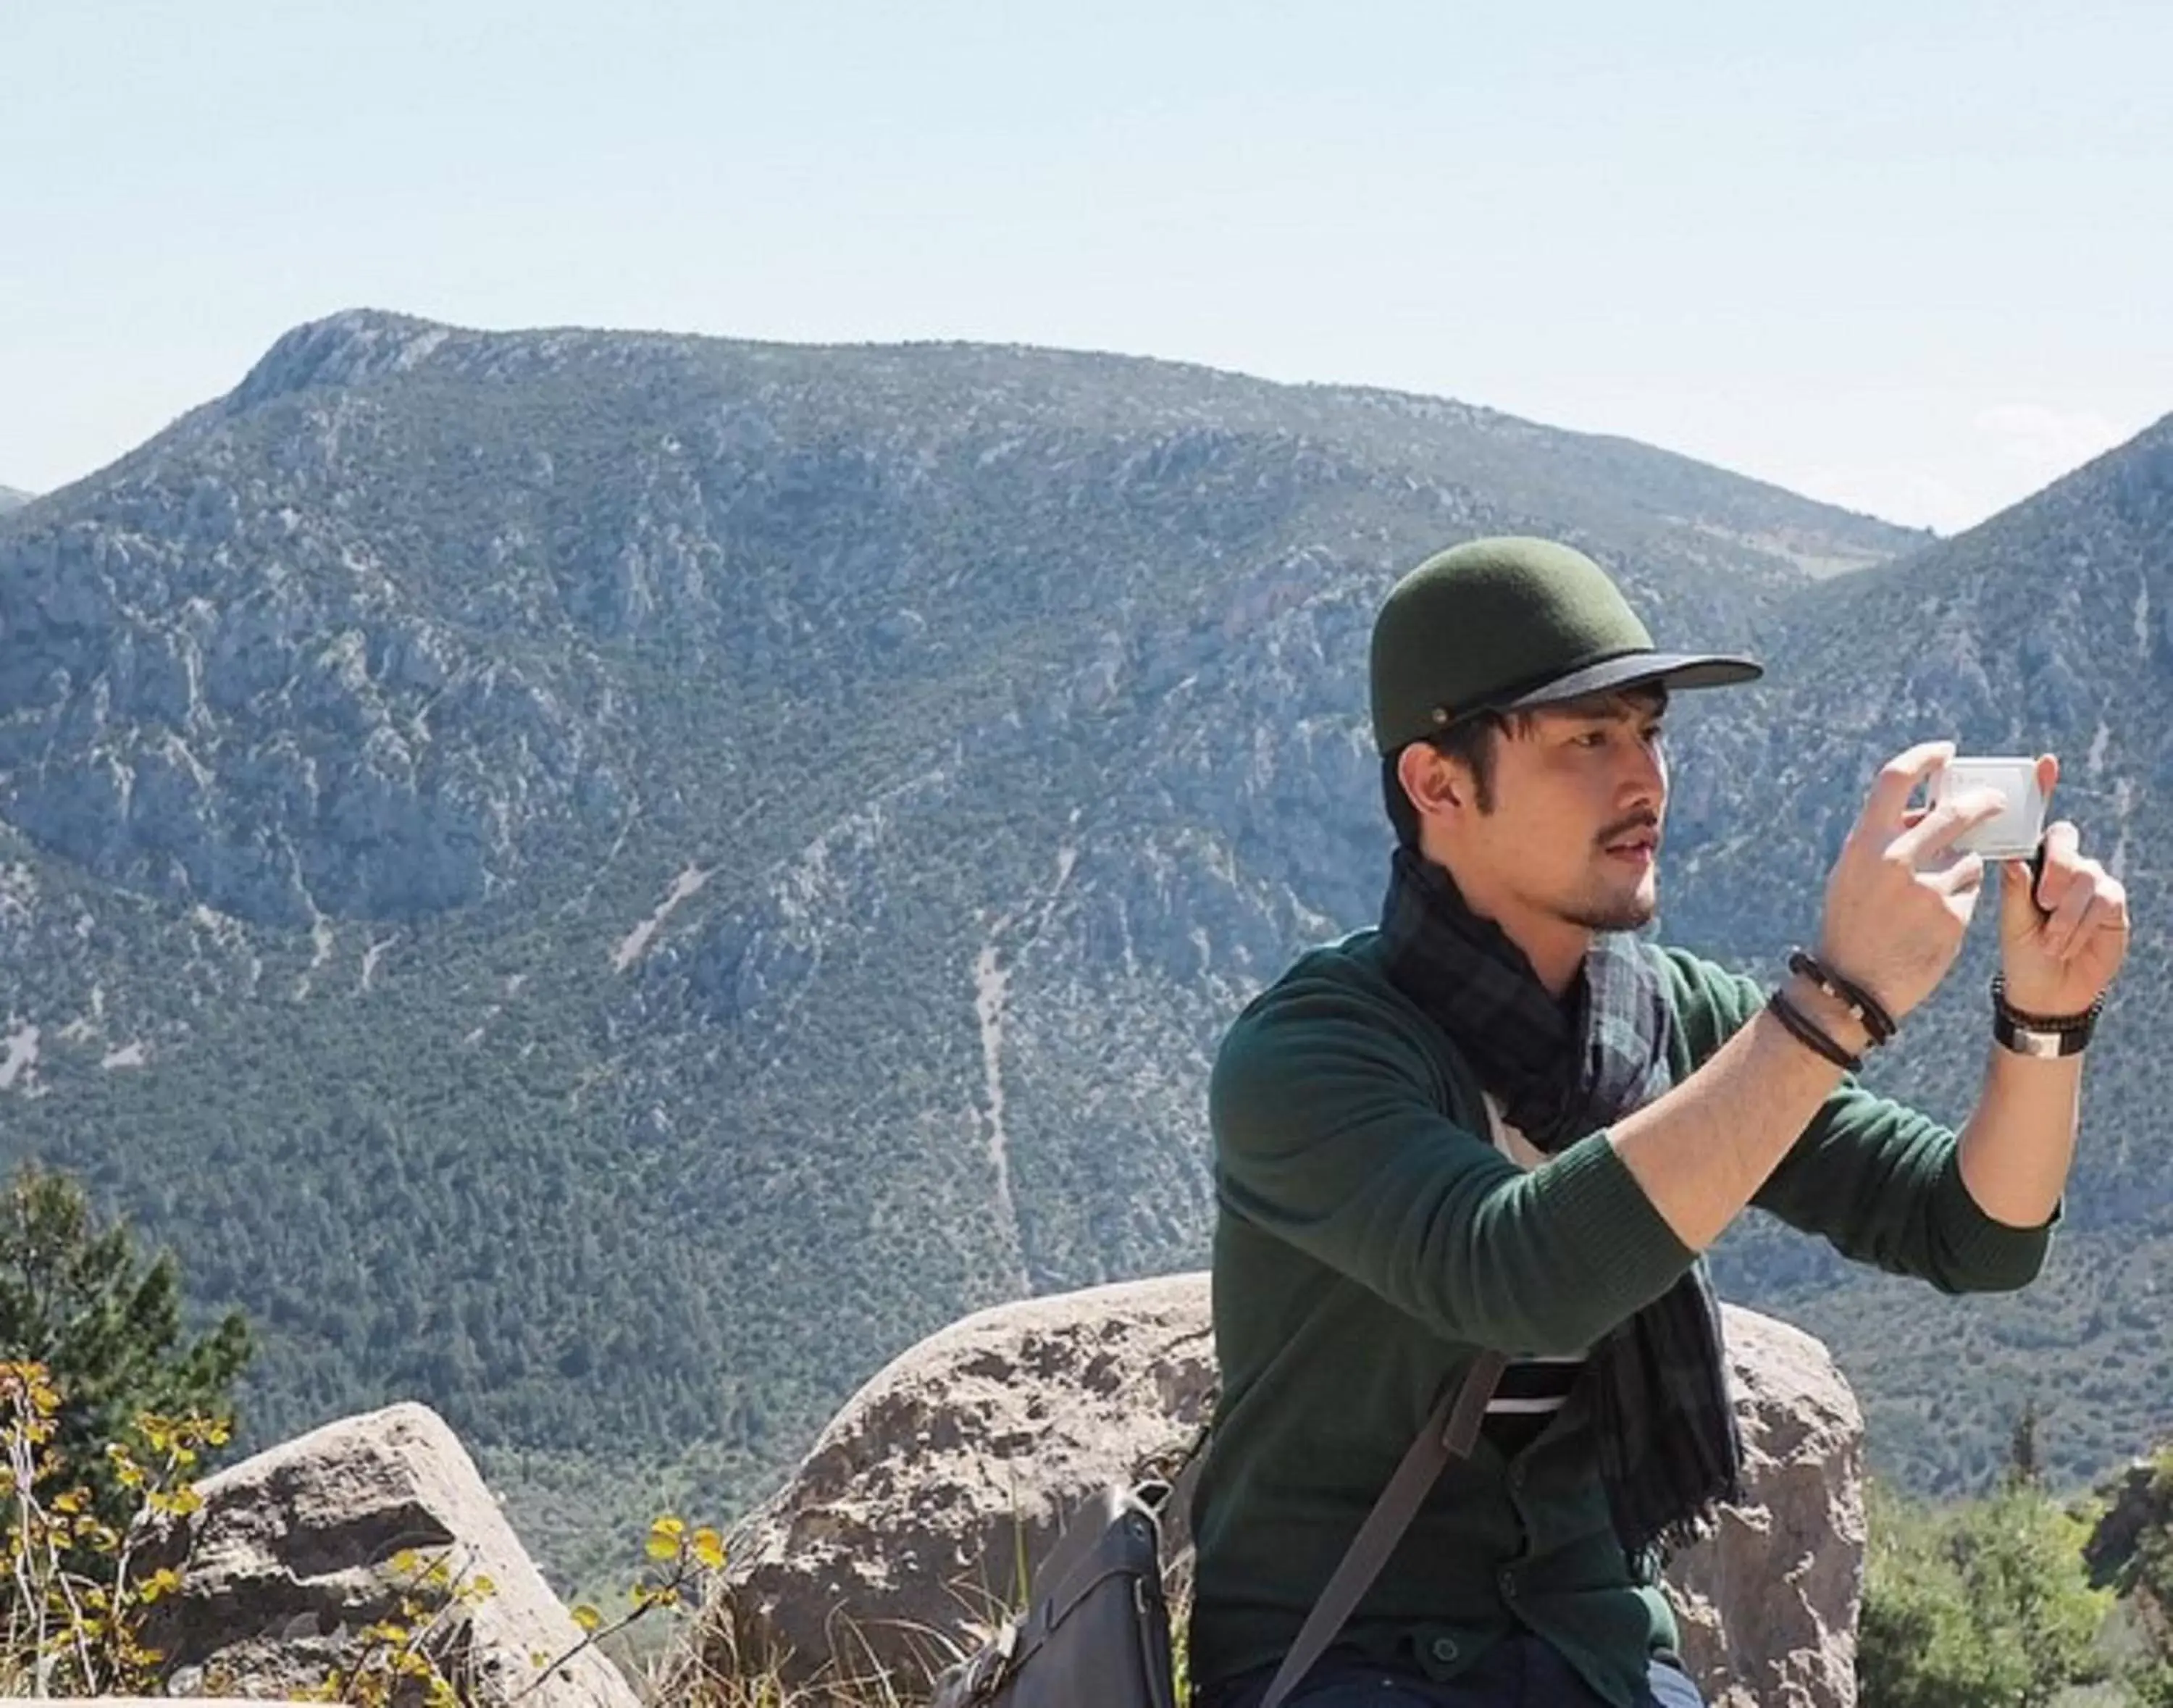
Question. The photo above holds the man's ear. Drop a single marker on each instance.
(1431, 781)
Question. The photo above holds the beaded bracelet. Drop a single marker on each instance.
(1863, 1006)
(1810, 1034)
(2085, 1022)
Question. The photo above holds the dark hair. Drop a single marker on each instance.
(1471, 744)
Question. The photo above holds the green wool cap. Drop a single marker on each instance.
(1506, 624)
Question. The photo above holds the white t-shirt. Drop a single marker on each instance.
(1536, 1387)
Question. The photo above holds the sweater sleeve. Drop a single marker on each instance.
(1329, 1135)
(1879, 1182)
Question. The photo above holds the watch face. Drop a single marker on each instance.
(2043, 1046)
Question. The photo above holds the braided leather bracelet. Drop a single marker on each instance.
(1810, 1034)
(1867, 1010)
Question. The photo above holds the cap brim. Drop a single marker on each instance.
(1667, 669)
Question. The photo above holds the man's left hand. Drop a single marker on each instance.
(2060, 949)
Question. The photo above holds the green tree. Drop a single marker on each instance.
(78, 1298)
(2143, 1576)
(2025, 1458)
(1984, 1604)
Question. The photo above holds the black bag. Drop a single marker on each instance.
(1095, 1631)
(1096, 1634)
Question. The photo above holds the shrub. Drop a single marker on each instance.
(1984, 1604)
(72, 1606)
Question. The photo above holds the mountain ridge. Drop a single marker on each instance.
(611, 883)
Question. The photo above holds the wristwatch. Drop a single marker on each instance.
(2045, 1037)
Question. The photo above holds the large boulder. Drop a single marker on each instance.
(296, 1551)
(905, 1527)
(907, 1523)
(1768, 1604)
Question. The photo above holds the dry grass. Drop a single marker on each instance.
(854, 1677)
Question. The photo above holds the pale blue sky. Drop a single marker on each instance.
(1914, 256)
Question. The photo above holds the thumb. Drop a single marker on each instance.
(2020, 915)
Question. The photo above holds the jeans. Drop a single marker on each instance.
(1519, 1672)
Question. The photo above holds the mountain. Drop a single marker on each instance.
(611, 881)
(2048, 629)
(13, 499)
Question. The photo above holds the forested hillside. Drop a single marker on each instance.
(611, 881)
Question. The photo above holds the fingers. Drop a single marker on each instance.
(2062, 864)
(1965, 876)
(2108, 912)
(2060, 929)
(1898, 780)
(2048, 775)
(1935, 831)
(2018, 910)
(2092, 901)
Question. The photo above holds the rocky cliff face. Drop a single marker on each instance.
(611, 881)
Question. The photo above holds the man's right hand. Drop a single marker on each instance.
(1900, 898)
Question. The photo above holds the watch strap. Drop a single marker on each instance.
(2041, 1046)
(2045, 1036)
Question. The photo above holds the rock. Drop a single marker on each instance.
(293, 1554)
(910, 1514)
(912, 1509)
(1768, 1604)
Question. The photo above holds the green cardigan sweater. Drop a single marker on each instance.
(1371, 1239)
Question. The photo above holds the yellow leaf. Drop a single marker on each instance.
(587, 1618)
(710, 1548)
(662, 1547)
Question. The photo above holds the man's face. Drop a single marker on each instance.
(1579, 796)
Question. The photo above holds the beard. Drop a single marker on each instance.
(1627, 913)
(1631, 910)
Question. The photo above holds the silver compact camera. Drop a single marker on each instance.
(2013, 835)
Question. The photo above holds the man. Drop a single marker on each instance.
(1501, 1122)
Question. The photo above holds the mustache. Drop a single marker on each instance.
(1642, 820)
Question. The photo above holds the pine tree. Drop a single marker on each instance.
(2025, 1466)
(80, 1300)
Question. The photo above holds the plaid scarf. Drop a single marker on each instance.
(1668, 1449)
